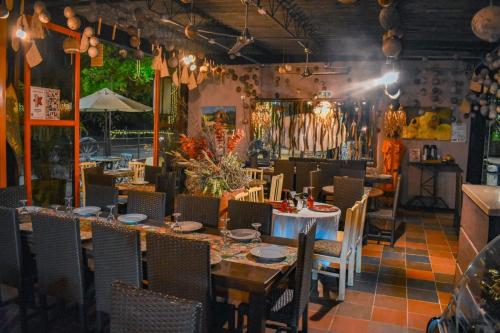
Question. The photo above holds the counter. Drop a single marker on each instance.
(479, 223)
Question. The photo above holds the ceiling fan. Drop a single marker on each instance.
(333, 70)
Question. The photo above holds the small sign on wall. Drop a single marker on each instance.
(459, 132)
(45, 103)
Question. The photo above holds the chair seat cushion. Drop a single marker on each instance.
(385, 214)
(328, 247)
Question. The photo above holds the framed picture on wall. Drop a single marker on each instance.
(226, 114)
(414, 155)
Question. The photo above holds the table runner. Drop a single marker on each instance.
(234, 252)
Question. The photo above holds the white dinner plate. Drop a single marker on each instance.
(30, 209)
(124, 169)
(132, 218)
(139, 182)
(215, 258)
(269, 253)
(242, 234)
(87, 210)
(188, 226)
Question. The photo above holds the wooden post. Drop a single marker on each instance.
(156, 115)
(3, 103)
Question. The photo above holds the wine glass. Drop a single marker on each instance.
(55, 208)
(23, 209)
(175, 226)
(111, 216)
(224, 231)
(67, 201)
(97, 216)
(256, 238)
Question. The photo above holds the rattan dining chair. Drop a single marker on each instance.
(385, 222)
(151, 173)
(289, 305)
(101, 196)
(199, 209)
(348, 190)
(83, 166)
(151, 204)
(58, 253)
(138, 168)
(11, 196)
(243, 213)
(181, 267)
(276, 188)
(99, 179)
(287, 168)
(339, 252)
(12, 286)
(117, 256)
(167, 184)
(303, 174)
(139, 310)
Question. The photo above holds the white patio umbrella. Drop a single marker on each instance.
(106, 100)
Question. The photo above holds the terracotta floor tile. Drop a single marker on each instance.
(343, 324)
(424, 308)
(438, 247)
(374, 247)
(444, 269)
(390, 302)
(440, 254)
(359, 297)
(418, 321)
(372, 253)
(441, 261)
(352, 310)
(378, 327)
(444, 297)
(322, 324)
(418, 246)
(389, 316)
(393, 262)
(419, 274)
(445, 278)
(414, 330)
(390, 290)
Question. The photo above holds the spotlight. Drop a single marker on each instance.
(261, 11)
(211, 41)
(191, 58)
(4, 12)
(20, 33)
(192, 67)
(389, 78)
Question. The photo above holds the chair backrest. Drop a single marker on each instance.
(124, 159)
(99, 179)
(287, 168)
(347, 191)
(58, 254)
(10, 249)
(397, 192)
(180, 267)
(101, 196)
(83, 166)
(351, 221)
(98, 169)
(256, 194)
(360, 226)
(199, 209)
(86, 165)
(319, 179)
(166, 184)
(140, 310)
(117, 256)
(151, 204)
(303, 174)
(254, 173)
(276, 187)
(241, 196)
(151, 173)
(10, 196)
(353, 173)
(331, 168)
(243, 213)
(138, 168)
(302, 287)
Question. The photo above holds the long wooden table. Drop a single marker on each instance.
(258, 281)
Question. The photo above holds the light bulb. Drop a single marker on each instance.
(191, 58)
(186, 60)
(192, 67)
(389, 78)
(20, 33)
(4, 12)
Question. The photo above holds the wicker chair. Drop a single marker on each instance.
(117, 256)
(83, 166)
(353, 173)
(11, 277)
(302, 174)
(200, 209)
(167, 184)
(10, 197)
(101, 196)
(181, 267)
(379, 219)
(138, 168)
(319, 178)
(99, 179)
(347, 191)
(151, 173)
(287, 168)
(243, 213)
(139, 310)
(151, 204)
(288, 306)
(58, 252)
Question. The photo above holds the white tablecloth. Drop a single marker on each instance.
(289, 225)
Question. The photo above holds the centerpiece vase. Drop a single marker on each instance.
(224, 201)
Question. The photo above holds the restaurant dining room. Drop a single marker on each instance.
(199, 166)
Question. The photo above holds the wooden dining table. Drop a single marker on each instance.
(258, 280)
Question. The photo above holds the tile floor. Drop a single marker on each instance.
(399, 288)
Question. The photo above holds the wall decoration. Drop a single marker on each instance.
(45, 103)
(459, 132)
(414, 155)
(426, 123)
(227, 114)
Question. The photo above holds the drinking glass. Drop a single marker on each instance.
(55, 208)
(224, 231)
(23, 209)
(257, 238)
(111, 216)
(175, 226)
(97, 216)
(69, 207)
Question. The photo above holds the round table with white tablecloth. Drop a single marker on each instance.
(289, 225)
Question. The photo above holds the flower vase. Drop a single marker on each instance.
(224, 201)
